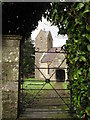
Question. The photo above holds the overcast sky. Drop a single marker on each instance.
(58, 40)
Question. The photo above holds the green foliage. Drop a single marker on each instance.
(27, 58)
(73, 19)
(22, 17)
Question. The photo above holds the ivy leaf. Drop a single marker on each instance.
(88, 110)
(82, 58)
(75, 77)
(54, 13)
(88, 27)
(79, 72)
(89, 75)
(76, 58)
(61, 19)
(88, 36)
(81, 79)
(56, 17)
(79, 6)
(88, 47)
(86, 11)
(75, 41)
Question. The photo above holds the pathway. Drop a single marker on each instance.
(50, 104)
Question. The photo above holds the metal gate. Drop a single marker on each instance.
(47, 97)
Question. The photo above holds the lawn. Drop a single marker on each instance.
(36, 89)
(31, 83)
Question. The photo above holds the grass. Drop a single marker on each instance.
(32, 86)
(31, 83)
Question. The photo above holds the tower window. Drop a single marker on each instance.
(40, 38)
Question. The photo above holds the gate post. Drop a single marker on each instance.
(10, 73)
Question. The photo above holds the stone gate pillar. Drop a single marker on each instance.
(10, 75)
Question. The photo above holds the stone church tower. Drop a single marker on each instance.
(43, 43)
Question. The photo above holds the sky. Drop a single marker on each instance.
(58, 40)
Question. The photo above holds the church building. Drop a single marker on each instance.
(50, 61)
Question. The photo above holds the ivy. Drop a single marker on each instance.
(88, 47)
(79, 6)
(73, 19)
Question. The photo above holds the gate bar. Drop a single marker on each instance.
(59, 95)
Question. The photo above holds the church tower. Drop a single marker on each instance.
(43, 43)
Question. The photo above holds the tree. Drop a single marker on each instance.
(22, 17)
(27, 58)
(73, 19)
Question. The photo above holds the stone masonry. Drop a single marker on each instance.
(10, 75)
(43, 44)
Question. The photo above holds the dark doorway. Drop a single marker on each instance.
(60, 75)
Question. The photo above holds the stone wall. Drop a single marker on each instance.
(0, 78)
(57, 64)
(10, 75)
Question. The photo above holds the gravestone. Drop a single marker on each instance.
(10, 75)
